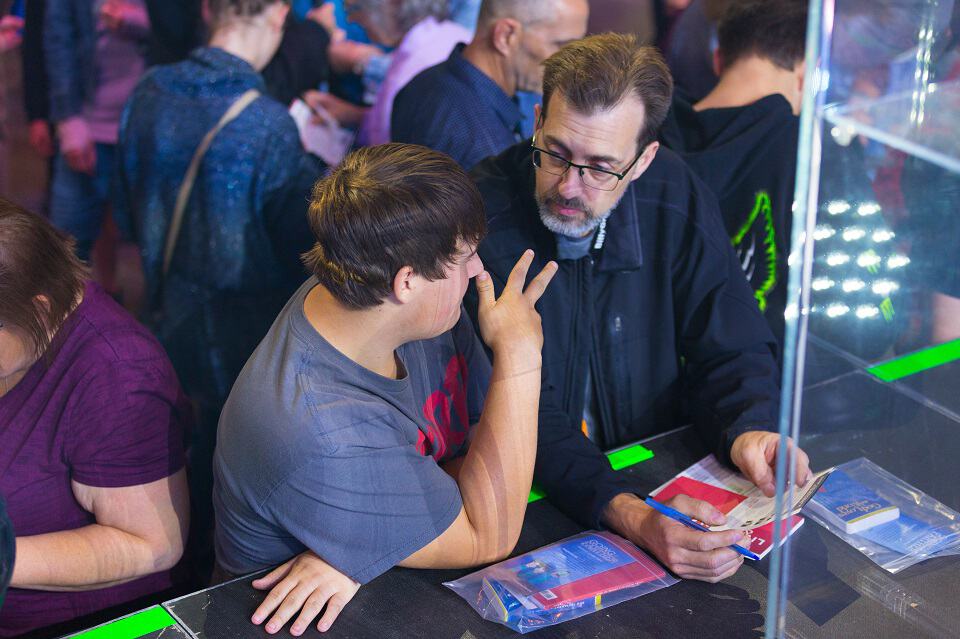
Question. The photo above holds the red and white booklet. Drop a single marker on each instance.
(735, 496)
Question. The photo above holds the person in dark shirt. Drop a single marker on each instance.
(649, 322)
(466, 106)
(741, 139)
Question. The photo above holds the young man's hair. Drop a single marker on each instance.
(775, 30)
(386, 207)
(36, 259)
(599, 72)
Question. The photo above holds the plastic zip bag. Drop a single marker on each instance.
(564, 580)
(859, 490)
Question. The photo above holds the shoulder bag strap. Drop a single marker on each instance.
(187, 185)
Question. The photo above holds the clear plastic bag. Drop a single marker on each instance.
(921, 527)
(564, 580)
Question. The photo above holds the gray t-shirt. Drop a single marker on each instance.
(315, 451)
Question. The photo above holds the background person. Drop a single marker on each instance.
(235, 259)
(467, 105)
(92, 419)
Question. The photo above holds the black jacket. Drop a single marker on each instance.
(661, 315)
(748, 157)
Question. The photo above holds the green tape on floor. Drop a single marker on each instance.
(132, 627)
(926, 359)
(618, 459)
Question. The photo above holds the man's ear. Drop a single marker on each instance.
(505, 36)
(537, 114)
(405, 285)
(645, 159)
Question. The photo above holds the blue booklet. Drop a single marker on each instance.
(909, 536)
(851, 506)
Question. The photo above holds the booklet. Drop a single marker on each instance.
(736, 497)
(850, 505)
(328, 140)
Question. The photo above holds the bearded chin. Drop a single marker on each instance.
(570, 228)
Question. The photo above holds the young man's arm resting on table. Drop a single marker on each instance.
(494, 477)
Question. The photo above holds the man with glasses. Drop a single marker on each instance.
(649, 323)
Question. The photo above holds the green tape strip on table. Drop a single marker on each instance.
(132, 627)
(618, 459)
(917, 362)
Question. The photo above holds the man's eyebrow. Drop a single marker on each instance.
(552, 141)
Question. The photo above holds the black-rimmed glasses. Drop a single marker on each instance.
(591, 176)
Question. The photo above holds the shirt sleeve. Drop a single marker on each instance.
(126, 427)
(369, 502)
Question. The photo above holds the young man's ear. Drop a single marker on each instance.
(404, 285)
(505, 36)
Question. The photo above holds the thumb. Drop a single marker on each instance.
(485, 289)
(699, 510)
(755, 467)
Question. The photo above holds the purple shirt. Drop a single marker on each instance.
(106, 410)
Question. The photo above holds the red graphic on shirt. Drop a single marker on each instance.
(444, 433)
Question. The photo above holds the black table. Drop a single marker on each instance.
(834, 591)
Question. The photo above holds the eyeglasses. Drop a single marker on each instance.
(591, 176)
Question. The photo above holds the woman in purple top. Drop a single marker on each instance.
(91, 437)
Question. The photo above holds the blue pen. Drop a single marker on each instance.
(690, 522)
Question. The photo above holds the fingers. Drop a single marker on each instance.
(274, 599)
(485, 289)
(698, 509)
(803, 472)
(334, 606)
(519, 273)
(288, 607)
(757, 469)
(538, 285)
(311, 609)
(270, 579)
(697, 541)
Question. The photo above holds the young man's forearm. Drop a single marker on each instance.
(497, 472)
(87, 558)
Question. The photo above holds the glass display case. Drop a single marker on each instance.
(872, 349)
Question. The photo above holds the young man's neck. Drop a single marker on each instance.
(369, 337)
(491, 64)
(747, 81)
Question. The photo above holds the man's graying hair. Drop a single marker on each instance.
(599, 72)
(407, 12)
(526, 12)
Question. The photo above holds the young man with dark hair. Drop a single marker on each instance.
(741, 139)
(368, 429)
(467, 105)
(649, 322)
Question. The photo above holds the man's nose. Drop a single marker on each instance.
(570, 185)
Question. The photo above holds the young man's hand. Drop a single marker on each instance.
(305, 584)
(688, 553)
(755, 454)
(511, 323)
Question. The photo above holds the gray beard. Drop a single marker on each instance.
(570, 228)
